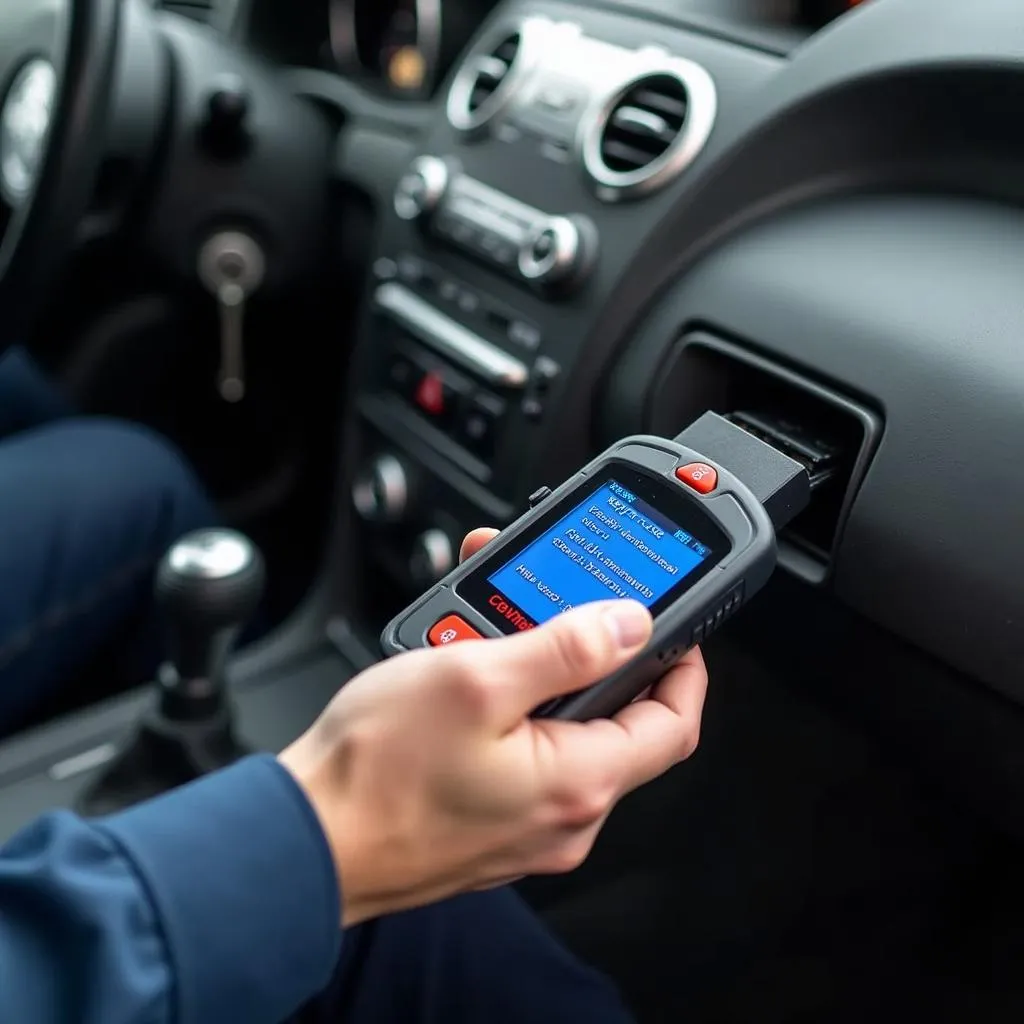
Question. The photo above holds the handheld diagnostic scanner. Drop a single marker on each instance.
(666, 523)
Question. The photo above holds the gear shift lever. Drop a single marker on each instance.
(207, 586)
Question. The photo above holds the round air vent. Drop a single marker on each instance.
(491, 74)
(649, 131)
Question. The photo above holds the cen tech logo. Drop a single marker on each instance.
(508, 611)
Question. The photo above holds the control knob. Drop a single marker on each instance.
(225, 128)
(432, 557)
(557, 251)
(422, 187)
(381, 490)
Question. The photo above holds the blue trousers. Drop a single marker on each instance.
(87, 509)
(478, 959)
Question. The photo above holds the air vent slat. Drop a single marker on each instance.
(672, 107)
(491, 70)
(621, 156)
(643, 122)
(507, 50)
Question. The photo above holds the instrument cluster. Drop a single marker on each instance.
(403, 46)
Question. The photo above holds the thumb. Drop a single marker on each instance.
(566, 654)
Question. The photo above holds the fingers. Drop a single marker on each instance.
(474, 541)
(608, 758)
(566, 654)
(664, 729)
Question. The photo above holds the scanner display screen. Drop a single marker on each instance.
(615, 542)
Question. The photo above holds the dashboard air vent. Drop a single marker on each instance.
(493, 71)
(649, 130)
(644, 123)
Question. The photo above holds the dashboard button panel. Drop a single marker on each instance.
(536, 248)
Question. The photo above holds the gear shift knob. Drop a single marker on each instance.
(207, 586)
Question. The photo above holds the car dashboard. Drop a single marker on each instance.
(602, 219)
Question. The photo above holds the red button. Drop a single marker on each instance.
(451, 629)
(700, 476)
(430, 394)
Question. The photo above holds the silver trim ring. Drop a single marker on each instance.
(25, 115)
(433, 173)
(532, 32)
(381, 492)
(565, 250)
(702, 107)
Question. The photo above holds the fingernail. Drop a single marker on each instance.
(629, 623)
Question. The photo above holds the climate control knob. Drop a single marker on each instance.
(557, 251)
(422, 187)
(381, 491)
(432, 557)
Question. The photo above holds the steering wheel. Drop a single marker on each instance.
(57, 66)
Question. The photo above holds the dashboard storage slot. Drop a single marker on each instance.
(832, 435)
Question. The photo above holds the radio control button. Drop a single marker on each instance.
(522, 333)
(532, 408)
(411, 269)
(421, 188)
(545, 372)
(553, 252)
(403, 375)
(699, 476)
(432, 558)
(543, 246)
(478, 428)
(451, 629)
(385, 268)
(435, 396)
(380, 493)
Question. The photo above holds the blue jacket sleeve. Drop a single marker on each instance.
(218, 902)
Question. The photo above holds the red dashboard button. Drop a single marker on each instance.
(430, 394)
(451, 629)
(700, 476)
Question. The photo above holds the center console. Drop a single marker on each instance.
(563, 137)
(561, 141)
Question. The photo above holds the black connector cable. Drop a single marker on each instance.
(779, 476)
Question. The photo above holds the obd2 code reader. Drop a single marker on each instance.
(686, 527)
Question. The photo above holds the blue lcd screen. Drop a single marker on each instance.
(611, 545)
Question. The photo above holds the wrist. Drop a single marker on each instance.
(344, 836)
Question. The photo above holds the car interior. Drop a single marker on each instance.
(382, 269)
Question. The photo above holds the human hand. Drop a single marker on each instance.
(430, 778)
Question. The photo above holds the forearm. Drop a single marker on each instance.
(217, 902)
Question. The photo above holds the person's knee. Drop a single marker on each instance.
(123, 470)
(141, 461)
